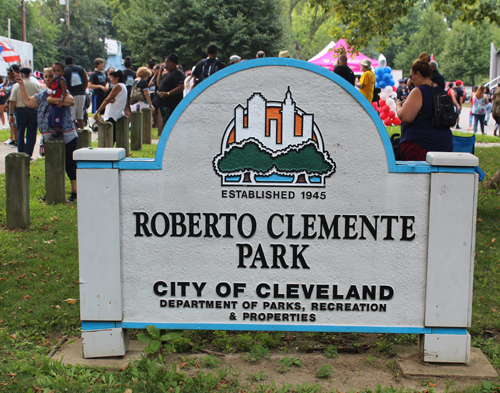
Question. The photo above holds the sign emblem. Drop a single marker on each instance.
(273, 143)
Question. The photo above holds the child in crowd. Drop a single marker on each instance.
(57, 90)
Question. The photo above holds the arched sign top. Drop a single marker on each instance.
(415, 167)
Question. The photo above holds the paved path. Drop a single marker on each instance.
(464, 123)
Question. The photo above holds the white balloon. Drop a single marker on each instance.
(388, 89)
(382, 62)
(389, 101)
(393, 107)
(384, 96)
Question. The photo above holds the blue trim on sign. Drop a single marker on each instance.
(393, 166)
(454, 169)
(134, 163)
(94, 164)
(94, 325)
(100, 325)
(452, 331)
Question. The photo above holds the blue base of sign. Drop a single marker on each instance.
(100, 325)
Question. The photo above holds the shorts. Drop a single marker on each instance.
(96, 103)
(56, 116)
(458, 111)
(77, 109)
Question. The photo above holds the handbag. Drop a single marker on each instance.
(137, 94)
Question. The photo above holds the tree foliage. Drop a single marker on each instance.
(186, 27)
(87, 30)
(49, 35)
(309, 27)
(40, 31)
(467, 53)
(361, 21)
(430, 38)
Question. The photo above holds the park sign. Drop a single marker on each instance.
(274, 203)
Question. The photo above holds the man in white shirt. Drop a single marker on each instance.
(24, 118)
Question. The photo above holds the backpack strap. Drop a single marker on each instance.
(425, 116)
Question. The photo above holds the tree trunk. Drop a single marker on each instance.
(301, 178)
(495, 179)
(247, 178)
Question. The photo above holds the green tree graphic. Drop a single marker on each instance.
(246, 158)
(306, 159)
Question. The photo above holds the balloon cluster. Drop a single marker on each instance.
(384, 77)
(386, 107)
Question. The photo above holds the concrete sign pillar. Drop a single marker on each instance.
(277, 205)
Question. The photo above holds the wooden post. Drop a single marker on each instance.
(17, 190)
(55, 163)
(105, 134)
(122, 134)
(147, 119)
(84, 138)
(136, 131)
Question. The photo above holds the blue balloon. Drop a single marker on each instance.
(392, 78)
(387, 70)
(391, 83)
(376, 85)
(386, 77)
(379, 71)
(382, 84)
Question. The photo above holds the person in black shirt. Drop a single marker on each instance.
(402, 91)
(170, 88)
(460, 100)
(130, 76)
(343, 70)
(77, 81)
(99, 83)
(208, 66)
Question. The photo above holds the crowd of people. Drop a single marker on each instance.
(415, 105)
(58, 103)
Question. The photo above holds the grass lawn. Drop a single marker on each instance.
(39, 280)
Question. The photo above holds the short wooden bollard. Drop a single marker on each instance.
(55, 163)
(105, 134)
(84, 138)
(122, 134)
(136, 131)
(17, 190)
(147, 120)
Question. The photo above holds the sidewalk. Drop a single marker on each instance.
(4, 150)
(464, 124)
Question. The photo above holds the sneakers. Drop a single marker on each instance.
(8, 142)
(458, 127)
(42, 198)
(72, 197)
(13, 144)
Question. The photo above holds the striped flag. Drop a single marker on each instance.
(7, 54)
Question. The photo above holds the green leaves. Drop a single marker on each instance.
(153, 331)
(186, 27)
(158, 338)
(172, 335)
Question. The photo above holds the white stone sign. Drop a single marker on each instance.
(274, 203)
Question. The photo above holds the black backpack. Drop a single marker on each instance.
(376, 94)
(209, 67)
(444, 111)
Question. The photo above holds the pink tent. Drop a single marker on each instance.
(329, 58)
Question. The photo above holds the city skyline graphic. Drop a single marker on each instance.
(273, 143)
